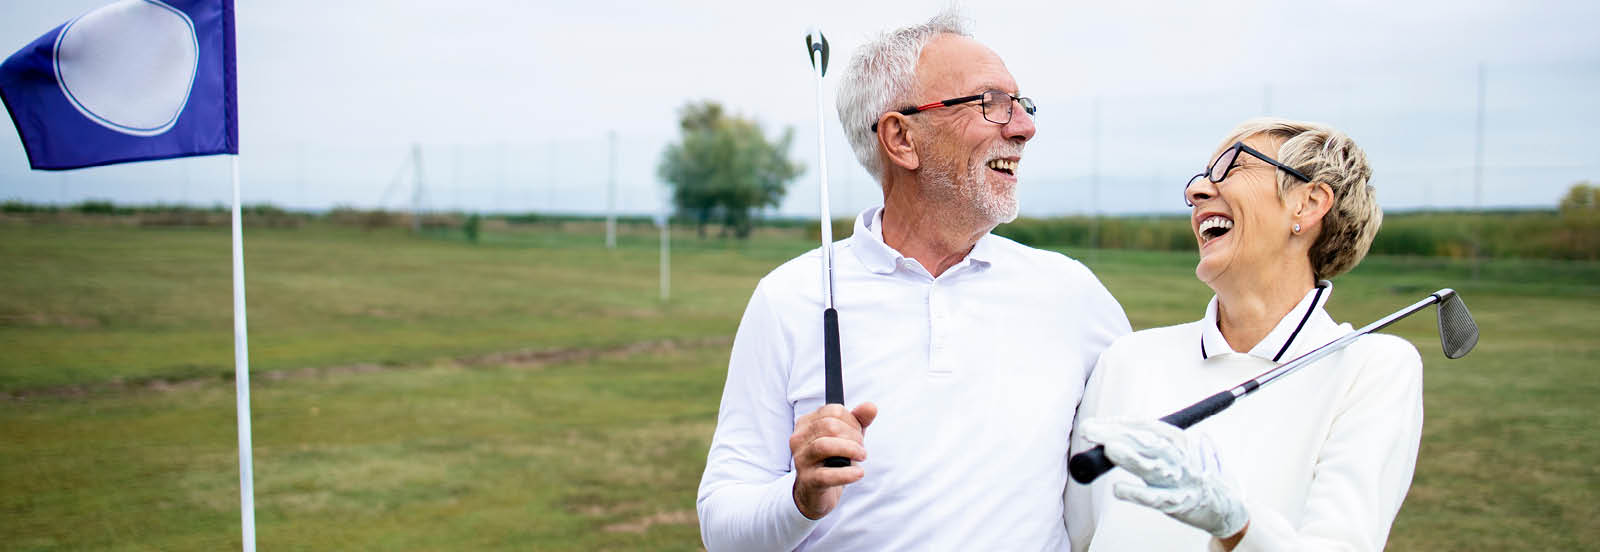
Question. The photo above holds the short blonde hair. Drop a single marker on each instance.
(1330, 157)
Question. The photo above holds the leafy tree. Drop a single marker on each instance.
(724, 168)
(471, 227)
(1583, 199)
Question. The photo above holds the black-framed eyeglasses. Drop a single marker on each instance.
(992, 110)
(1228, 160)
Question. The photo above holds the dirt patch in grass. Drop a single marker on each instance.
(48, 320)
(679, 517)
(531, 358)
(523, 359)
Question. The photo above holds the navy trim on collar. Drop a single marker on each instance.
(1296, 333)
(1303, 319)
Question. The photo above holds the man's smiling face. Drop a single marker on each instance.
(970, 161)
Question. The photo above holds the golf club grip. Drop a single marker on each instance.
(833, 388)
(832, 373)
(1208, 406)
(1088, 465)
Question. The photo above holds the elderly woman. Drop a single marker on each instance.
(1322, 460)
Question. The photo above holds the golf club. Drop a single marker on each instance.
(1458, 334)
(832, 384)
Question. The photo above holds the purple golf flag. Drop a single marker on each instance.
(135, 80)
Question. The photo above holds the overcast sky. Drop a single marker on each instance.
(512, 102)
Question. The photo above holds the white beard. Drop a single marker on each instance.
(984, 205)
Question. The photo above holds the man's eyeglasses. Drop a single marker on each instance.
(1228, 160)
(996, 106)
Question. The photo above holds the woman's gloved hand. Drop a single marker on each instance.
(1183, 475)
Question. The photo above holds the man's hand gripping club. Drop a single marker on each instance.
(828, 431)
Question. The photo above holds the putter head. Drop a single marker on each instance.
(817, 43)
(1458, 333)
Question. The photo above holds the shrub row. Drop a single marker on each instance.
(1507, 234)
(106, 212)
(1570, 234)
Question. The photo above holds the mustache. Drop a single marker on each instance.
(1002, 150)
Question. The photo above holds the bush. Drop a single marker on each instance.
(1161, 233)
(367, 219)
(100, 207)
(1510, 234)
(19, 207)
(842, 228)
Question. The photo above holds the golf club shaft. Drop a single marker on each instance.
(1088, 465)
(822, 183)
(832, 375)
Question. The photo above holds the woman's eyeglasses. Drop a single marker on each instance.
(1228, 160)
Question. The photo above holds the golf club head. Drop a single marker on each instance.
(816, 42)
(1458, 333)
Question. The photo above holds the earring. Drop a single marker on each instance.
(1297, 228)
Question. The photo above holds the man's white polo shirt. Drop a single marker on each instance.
(976, 375)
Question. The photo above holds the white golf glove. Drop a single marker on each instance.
(1183, 472)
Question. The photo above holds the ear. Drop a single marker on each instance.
(1315, 200)
(896, 140)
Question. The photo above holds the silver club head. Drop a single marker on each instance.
(1458, 333)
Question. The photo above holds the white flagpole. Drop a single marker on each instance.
(611, 195)
(241, 374)
(666, 256)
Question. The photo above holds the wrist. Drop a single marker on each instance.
(1231, 541)
(800, 505)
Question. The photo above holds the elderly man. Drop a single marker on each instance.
(966, 351)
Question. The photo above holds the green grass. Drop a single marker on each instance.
(100, 303)
(424, 458)
(379, 425)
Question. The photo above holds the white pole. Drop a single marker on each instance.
(1477, 171)
(1477, 152)
(1094, 177)
(416, 189)
(455, 179)
(241, 374)
(611, 196)
(500, 176)
(299, 174)
(666, 256)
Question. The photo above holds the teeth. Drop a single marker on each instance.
(1214, 221)
(1003, 164)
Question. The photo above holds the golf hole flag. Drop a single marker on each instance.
(136, 80)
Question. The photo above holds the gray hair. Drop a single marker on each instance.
(881, 75)
(1328, 156)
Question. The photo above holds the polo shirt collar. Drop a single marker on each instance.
(868, 243)
(882, 259)
(1296, 332)
(984, 252)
